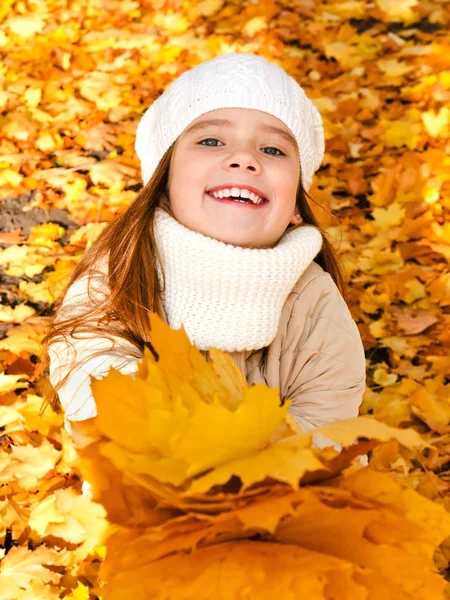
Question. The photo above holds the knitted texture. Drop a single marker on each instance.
(226, 296)
(231, 81)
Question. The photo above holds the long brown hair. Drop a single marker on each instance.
(134, 291)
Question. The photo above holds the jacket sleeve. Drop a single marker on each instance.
(327, 371)
(95, 355)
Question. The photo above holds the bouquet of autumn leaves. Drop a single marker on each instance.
(212, 492)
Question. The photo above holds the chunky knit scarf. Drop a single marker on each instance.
(226, 296)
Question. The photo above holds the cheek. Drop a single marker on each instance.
(189, 173)
(286, 187)
(287, 175)
(186, 188)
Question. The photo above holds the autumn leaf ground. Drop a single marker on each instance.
(75, 80)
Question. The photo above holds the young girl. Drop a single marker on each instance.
(222, 240)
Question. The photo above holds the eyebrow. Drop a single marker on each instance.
(226, 123)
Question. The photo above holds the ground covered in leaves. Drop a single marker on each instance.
(75, 79)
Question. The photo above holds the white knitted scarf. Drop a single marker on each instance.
(226, 296)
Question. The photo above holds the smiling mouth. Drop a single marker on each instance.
(238, 200)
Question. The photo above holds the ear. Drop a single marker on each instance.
(296, 219)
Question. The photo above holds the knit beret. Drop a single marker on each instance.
(236, 80)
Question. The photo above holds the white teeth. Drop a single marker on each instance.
(237, 193)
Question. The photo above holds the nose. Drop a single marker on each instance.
(243, 159)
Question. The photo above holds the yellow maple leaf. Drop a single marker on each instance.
(242, 487)
(21, 566)
(231, 569)
(380, 261)
(438, 123)
(285, 461)
(414, 290)
(433, 408)
(401, 132)
(394, 68)
(71, 517)
(25, 337)
(26, 26)
(389, 405)
(172, 430)
(254, 26)
(174, 23)
(440, 290)
(49, 142)
(347, 9)
(81, 592)
(382, 377)
(21, 260)
(393, 215)
(45, 234)
(39, 590)
(5, 7)
(9, 383)
(394, 539)
(368, 516)
(204, 8)
(17, 314)
(12, 517)
(30, 410)
(345, 54)
(398, 9)
(27, 465)
(10, 177)
(432, 519)
(184, 420)
(373, 298)
(185, 431)
(379, 328)
(36, 292)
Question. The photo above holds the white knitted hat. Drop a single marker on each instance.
(231, 81)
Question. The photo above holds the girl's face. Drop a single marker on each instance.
(235, 147)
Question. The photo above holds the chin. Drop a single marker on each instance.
(241, 242)
(232, 237)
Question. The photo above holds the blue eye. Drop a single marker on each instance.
(209, 140)
(267, 148)
(272, 148)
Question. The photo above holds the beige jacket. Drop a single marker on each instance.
(316, 359)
